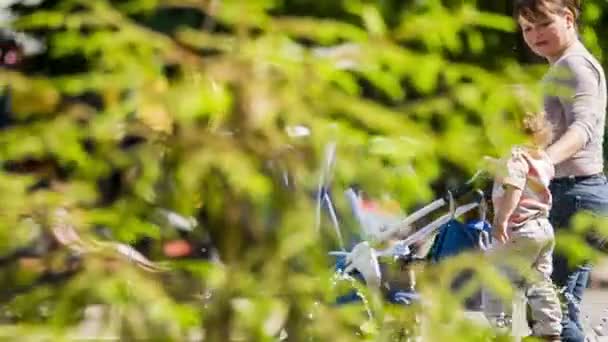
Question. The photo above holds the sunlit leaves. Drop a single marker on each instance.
(322, 31)
(47, 19)
(372, 19)
(424, 26)
(122, 219)
(197, 121)
(231, 11)
(31, 96)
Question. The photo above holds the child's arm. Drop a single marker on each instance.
(513, 179)
(503, 212)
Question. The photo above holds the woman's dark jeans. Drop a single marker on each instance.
(570, 196)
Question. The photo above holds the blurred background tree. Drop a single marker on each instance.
(180, 105)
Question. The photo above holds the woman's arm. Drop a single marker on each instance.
(566, 146)
(578, 89)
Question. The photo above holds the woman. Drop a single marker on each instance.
(575, 104)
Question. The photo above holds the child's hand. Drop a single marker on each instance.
(500, 232)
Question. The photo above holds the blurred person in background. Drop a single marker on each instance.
(11, 56)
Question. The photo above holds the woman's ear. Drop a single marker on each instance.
(570, 21)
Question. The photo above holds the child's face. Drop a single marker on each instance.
(550, 35)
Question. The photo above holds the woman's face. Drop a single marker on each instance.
(550, 35)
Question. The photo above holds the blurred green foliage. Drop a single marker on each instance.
(415, 93)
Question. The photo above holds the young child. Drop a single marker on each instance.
(521, 229)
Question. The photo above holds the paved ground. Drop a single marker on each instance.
(595, 307)
(595, 301)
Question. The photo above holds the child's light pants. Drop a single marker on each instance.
(530, 248)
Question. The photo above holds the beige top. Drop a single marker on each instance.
(575, 96)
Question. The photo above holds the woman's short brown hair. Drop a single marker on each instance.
(536, 10)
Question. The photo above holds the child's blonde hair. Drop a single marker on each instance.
(534, 123)
(537, 127)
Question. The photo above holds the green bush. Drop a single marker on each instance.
(407, 90)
